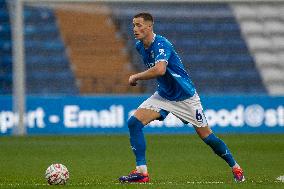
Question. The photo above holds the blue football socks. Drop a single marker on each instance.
(137, 140)
(220, 148)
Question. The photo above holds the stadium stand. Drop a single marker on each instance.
(262, 25)
(47, 65)
(208, 38)
(5, 51)
(96, 51)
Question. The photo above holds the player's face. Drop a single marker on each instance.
(141, 28)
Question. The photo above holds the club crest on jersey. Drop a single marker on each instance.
(162, 52)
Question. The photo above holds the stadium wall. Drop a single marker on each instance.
(109, 114)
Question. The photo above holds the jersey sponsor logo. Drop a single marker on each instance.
(176, 75)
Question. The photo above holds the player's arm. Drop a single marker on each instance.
(156, 71)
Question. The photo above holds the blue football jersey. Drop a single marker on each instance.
(175, 84)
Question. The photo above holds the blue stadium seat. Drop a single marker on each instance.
(6, 59)
(2, 3)
(5, 27)
(4, 15)
(5, 45)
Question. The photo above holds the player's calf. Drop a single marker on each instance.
(220, 148)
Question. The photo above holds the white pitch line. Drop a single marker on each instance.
(183, 183)
(116, 183)
(151, 183)
(280, 178)
(205, 182)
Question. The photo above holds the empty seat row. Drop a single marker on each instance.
(30, 29)
(49, 59)
(172, 10)
(38, 14)
(200, 27)
(217, 58)
(210, 43)
(58, 75)
(51, 44)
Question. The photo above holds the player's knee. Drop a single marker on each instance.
(203, 132)
(133, 122)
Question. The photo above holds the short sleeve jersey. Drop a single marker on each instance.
(175, 84)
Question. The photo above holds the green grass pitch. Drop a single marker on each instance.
(175, 161)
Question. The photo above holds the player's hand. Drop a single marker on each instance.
(133, 80)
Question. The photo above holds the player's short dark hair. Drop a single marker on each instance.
(146, 16)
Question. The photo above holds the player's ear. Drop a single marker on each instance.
(150, 25)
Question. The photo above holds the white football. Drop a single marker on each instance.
(57, 174)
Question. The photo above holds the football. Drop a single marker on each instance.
(57, 174)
